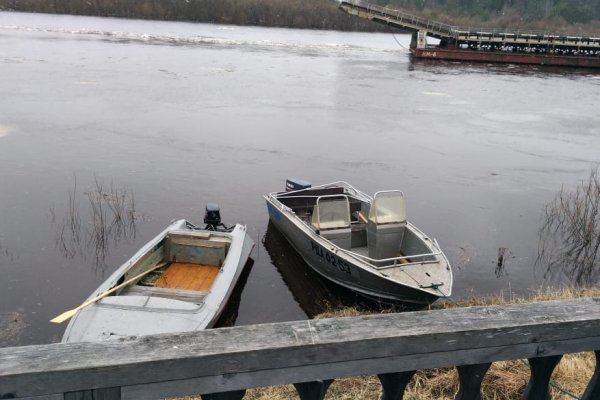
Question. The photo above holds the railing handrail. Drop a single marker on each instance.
(400, 14)
(233, 359)
(348, 189)
(374, 261)
(455, 30)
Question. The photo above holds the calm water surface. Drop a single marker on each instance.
(170, 116)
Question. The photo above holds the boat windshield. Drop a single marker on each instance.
(388, 207)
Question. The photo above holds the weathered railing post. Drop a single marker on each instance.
(470, 377)
(394, 384)
(95, 394)
(541, 371)
(313, 390)
(237, 395)
(592, 391)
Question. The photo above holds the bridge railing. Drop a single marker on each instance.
(410, 20)
(453, 31)
(222, 363)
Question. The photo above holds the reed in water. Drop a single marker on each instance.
(569, 245)
(89, 227)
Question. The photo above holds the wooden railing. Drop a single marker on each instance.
(311, 354)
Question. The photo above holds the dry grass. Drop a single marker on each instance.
(506, 380)
(511, 298)
(361, 387)
(342, 312)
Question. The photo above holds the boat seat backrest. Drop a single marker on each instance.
(184, 248)
(331, 219)
(331, 213)
(388, 207)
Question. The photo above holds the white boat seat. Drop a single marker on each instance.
(386, 224)
(385, 240)
(331, 219)
(340, 237)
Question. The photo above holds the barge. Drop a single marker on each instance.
(484, 44)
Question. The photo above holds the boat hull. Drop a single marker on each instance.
(506, 57)
(146, 313)
(337, 267)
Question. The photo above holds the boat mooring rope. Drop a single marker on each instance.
(401, 45)
(557, 386)
(446, 298)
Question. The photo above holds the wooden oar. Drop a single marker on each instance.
(68, 314)
(362, 217)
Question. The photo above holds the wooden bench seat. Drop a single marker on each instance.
(192, 296)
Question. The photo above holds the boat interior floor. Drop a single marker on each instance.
(181, 281)
(188, 276)
(362, 250)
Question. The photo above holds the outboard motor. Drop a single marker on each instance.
(212, 217)
(292, 184)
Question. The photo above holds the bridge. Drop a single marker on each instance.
(525, 46)
(222, 363)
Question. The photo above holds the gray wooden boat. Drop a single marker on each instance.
(361, 242)
(187, 293)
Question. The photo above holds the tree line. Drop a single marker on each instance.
(311, 14)
(571, 11)
(320, 14)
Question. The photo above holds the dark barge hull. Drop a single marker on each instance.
(506, 57)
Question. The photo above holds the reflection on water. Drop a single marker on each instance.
(569, 245)
(5, 253)
(230, 313)
(5, 130)
(12, 325)
(109, 217)
(460, 67)
(314, 294)
(466, 252)
(503, 255)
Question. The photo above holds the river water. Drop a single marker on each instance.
(142, 122)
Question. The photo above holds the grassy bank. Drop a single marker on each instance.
(505, 380)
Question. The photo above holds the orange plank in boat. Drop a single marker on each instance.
(188, 276)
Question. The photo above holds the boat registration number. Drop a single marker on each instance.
(330, 258)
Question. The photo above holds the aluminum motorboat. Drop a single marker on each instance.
(361, 242)
(179, 281)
